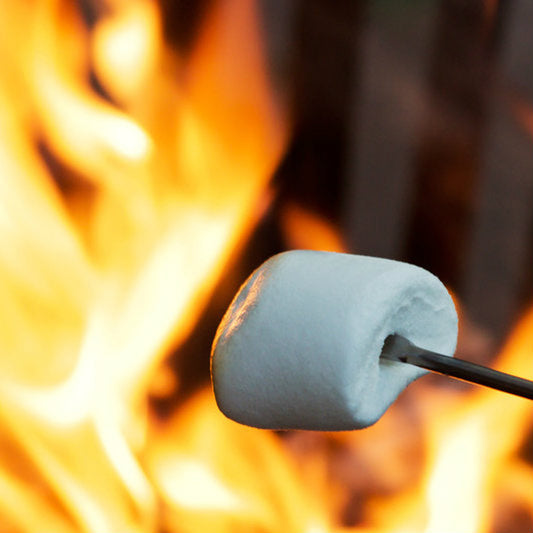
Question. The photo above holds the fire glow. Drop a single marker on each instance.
(117, 217)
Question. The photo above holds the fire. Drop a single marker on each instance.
(486, 438)
(131, 174)
(306, 230)
(472, 459)
(216, 475)
(117, 213)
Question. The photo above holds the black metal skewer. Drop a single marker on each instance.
(398, 348)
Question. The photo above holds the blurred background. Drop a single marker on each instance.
(152, 154)
(412, 134)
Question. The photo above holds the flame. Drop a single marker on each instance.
(117, 215)
(214, 474)
(472, 450)
(485, 438)
(131, 174)
(305, 230)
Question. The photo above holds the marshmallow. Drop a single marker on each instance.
(300, 345)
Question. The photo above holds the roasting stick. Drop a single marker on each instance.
(398, 348)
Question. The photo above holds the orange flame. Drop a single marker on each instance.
(306, 230)
(472, 447)
(102, 275)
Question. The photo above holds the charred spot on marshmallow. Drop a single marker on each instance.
(300, 345)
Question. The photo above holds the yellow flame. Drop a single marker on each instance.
(454, 493)
(127, 48)
(212, 470)
(483, 442)
(102, 274)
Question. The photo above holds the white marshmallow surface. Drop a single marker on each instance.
(300, 345)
